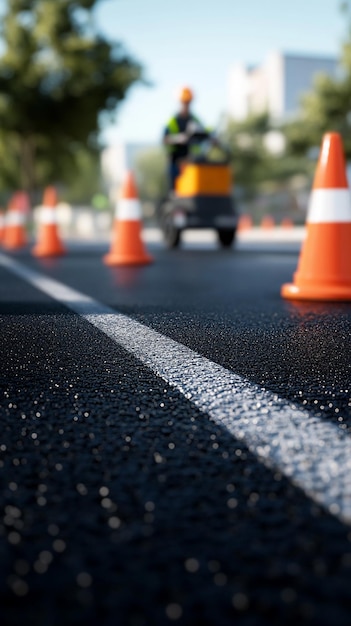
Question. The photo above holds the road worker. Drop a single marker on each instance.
(178, 134)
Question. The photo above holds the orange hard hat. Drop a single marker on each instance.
(186, 95)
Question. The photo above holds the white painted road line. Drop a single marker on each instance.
(315, 455)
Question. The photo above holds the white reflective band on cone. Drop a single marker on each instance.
(15, 218)
(128, 209)
(2, 220)
(329, 205)
(47, 215)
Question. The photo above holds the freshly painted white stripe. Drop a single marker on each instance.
(47, 215)
(128, 209)
(314, 454)
(329, 205)
(14, 218)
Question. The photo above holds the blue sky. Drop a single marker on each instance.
(195, 41)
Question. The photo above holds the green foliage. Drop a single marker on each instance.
(245, 141)
(56, 76)
(327, 107)
(255, 166)
(81, 189)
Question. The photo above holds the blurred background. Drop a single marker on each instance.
(87, 87)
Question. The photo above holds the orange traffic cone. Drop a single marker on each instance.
(287, 223)
(2, 226)
(324, 268)
(127, 247)
(245, 222)
(267, 222)
(15, 235)
(49, 242)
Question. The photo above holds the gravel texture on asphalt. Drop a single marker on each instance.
(121, 504)
(226, 305)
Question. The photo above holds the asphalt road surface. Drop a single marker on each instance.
(175, 442)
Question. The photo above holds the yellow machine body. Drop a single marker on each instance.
(199, 179)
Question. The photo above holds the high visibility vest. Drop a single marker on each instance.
(173, 128)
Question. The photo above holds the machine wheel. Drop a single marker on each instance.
(171, 234)
(226, 237)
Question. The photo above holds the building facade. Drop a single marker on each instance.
(277, 85)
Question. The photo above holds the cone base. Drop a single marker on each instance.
(322, 294)
(49, 243)
(14, 247)
(44, 252)
(116, 259)
(127, 247)
(14, 240)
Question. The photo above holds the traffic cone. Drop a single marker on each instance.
(127, 247)
(2, 226)
(287, 223)
(49, 242)
(15, 235)
(324, 268)
(245, 223)
(267, 222)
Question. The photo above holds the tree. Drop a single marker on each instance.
(57, 75)
(327, 107)
(245, 141)
(82, 188)
(255, 165)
